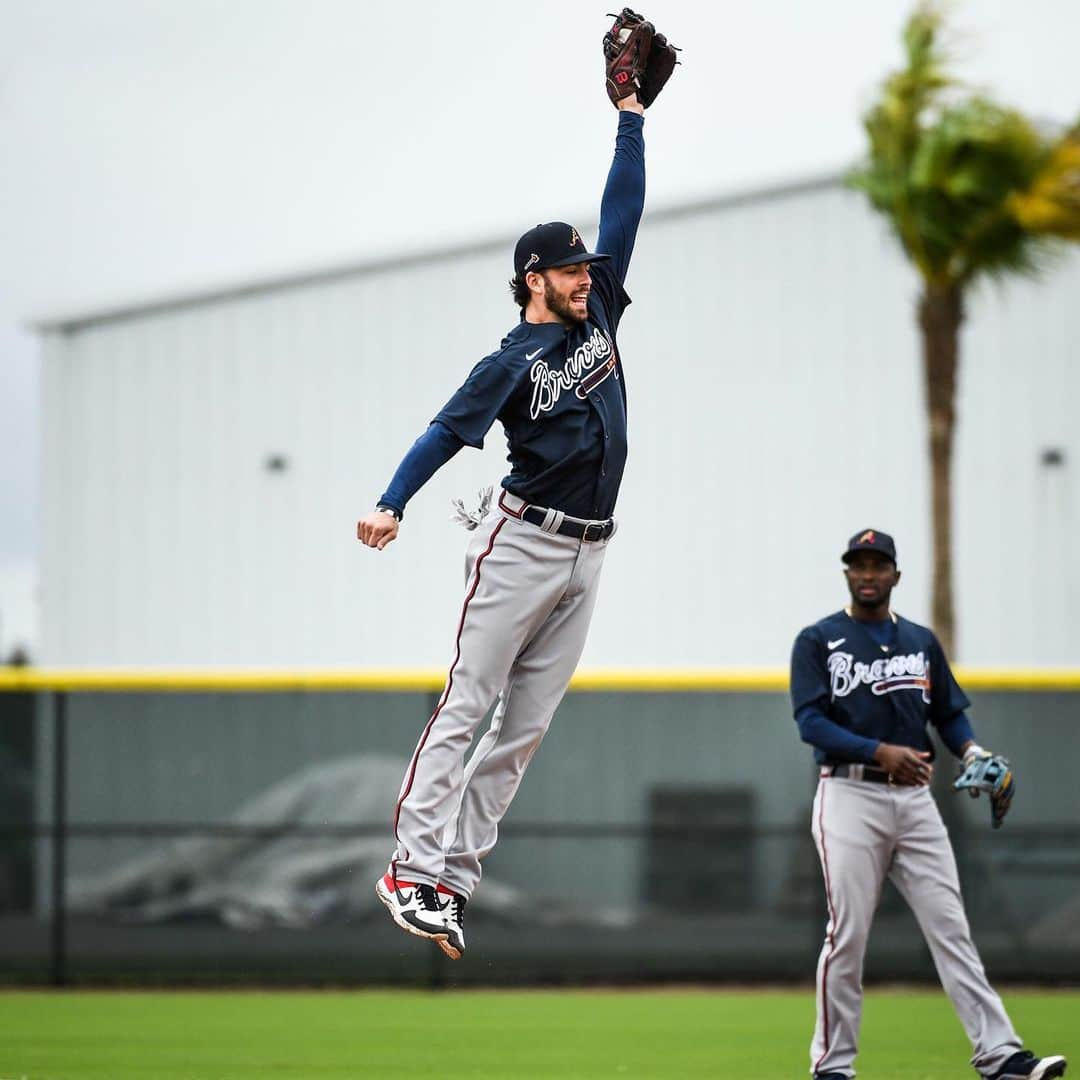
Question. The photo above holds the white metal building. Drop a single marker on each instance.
(205, 458)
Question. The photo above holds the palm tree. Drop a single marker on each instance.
(972, 190)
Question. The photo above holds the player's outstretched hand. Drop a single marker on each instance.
(377, 529)
(904, 765)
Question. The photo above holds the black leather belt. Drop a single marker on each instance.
(858, 772)
(578, 528)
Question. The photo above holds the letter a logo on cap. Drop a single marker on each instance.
(866, 538)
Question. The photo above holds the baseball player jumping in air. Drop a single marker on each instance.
(557, 386)
(864, 684)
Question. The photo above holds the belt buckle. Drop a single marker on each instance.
(598, 526)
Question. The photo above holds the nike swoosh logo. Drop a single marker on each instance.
(532, 355)
(838, 641)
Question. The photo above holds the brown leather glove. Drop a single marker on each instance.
(638, 59)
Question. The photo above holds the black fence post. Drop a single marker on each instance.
(59, 848)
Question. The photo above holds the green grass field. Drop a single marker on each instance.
(571, 1035)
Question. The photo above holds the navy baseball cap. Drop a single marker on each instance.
(871, 540)
(552, 244)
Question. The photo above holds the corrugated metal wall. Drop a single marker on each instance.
(772, 367)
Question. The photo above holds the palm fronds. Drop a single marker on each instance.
(1050, 205)
(970, 188)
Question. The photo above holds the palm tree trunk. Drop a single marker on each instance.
(941, 311)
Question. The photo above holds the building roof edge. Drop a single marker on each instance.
(72, 322)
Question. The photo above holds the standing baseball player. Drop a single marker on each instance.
(864, 684)
(557, 386)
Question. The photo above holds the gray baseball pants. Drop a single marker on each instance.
(529, 599)
(865, 831)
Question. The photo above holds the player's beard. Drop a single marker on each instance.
(879, 597)
(559, 305)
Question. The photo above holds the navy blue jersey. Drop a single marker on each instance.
(854, 685)
(560, 395)
(559, 392)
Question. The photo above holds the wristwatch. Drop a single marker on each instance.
(383, 508)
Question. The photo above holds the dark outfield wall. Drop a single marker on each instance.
(687, 813)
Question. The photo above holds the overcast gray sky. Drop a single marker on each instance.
(152, 147)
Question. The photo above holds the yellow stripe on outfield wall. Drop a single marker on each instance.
(220, 680)
(430, 680)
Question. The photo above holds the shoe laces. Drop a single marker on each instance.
(428, 898)
(457, 908)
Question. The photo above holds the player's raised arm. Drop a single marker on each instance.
(639, 62)
(624, 193)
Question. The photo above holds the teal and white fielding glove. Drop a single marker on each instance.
(988, 772)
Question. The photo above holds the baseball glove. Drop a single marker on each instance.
(989, 773)
(638, 59)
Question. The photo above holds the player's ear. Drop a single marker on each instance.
(535, 282)
(896, 578)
